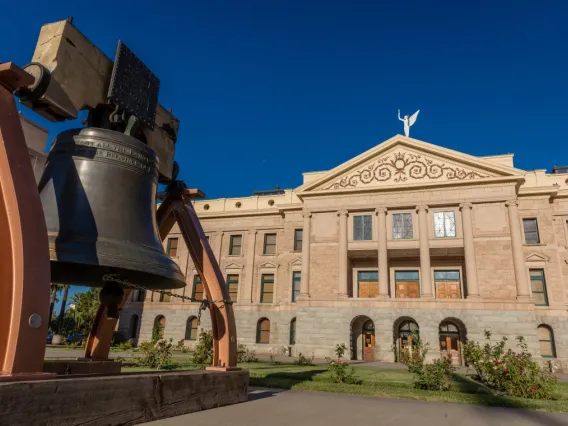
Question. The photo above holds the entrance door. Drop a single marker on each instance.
(368, 346)
(450, 342)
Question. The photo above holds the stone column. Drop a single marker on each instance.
(381, 213)
(523, 292)
(342, 290)
(425, 281)
(249, 270)
(306, 238)
(469, 251)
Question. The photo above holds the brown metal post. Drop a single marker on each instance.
(24, 253)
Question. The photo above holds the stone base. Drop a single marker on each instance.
(81, 367)
(122, 399)
(25, 377)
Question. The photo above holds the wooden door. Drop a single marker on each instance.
(450, 346)
(448, 290)
(368, 346)
(407, 289)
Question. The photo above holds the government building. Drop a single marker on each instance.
(406, 238)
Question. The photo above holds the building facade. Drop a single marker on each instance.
(408, 237)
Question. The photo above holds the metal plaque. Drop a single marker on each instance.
(133, 86)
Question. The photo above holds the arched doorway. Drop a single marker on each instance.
(363, 338)
(452, 337)
(159, 327)
(406, 332)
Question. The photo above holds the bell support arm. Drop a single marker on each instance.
(177, 207)
(24, 260)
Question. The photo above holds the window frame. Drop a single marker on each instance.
(191, 320)
(299, 282)
(263, 281)
(538, 240)
(298, 242)
(264, 245)
(230, 281)
(141, 292)
(259, 330)
(457, 268)
(169, 246)
(393, 272)
(551, 341)
(362, 215)
(358, 272)
(544, 286)
(411, 226)
(133, 331)
(292, 337)
(232, 245)
(444, 211)
(163, 297)
(197, 278)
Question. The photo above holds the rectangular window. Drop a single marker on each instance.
(233, 285)
(362, 228)
(235, 244)
(141, 296)
(407, 284)
(267, 288)
(448, 284)
(368, 283)
(298, 239)
(197, 288)
(445, 224)
(269, 244)
(530, 227)
(296, 282)
(172, 247)
(164, 297)
(402, 226)
(538, 287)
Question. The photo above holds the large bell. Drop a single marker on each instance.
(98, 193)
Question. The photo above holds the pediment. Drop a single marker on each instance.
(405, 161)
(268, 265)
(233, 266)
(295, 262)
(537, 257)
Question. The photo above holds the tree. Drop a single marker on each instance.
(86, 305)
(55, 288)
(62, 310)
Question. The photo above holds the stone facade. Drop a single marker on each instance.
(500, 232)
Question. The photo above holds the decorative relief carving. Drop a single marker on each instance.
(403, 167)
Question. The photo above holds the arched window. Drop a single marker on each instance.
(407, 331)
(191, 329)
(450, 341)
(159, 327)
(293, 331)
(133, 327)
(546, 341)
(263, 331)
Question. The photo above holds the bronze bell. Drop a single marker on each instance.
(98, 192)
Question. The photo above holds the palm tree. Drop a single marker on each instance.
(62, 310)
(55, 288)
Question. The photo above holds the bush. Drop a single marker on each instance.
(75, 345)
(245, 355)
(180, 346)
(508, 372)
(339, 370)
(155, 355)
(125, 346)
(302, 360)
(203, 354)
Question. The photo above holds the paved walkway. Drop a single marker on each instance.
(279, 408)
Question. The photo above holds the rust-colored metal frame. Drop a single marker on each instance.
(24, 255)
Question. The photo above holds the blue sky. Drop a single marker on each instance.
(266, 90)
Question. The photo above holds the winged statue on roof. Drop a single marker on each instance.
(408, 121)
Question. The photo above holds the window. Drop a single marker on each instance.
(191, 329)
(172, 247)
(293, 331)
(296, 283)
(546, 342)
(448, 284)
(197, 288)
(530, 227)
(405, 333)
(445, 224)
(164, 297)
(159, 327)
(263, 331)
(141, 296)
(407, 284)
(267, 288)
(298, 239)
(133, 327)
(362, 228)
(402, 226)
(233, 285)
(235, 245)
(269, 243)
(368, 283)
(538, 287)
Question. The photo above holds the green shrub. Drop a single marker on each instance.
(339, 370)
(203, 355)
(180, 346)
(125, 346)
(302, 360)
(75, 345)
(155, 355)
(508, 372)
(245, 355)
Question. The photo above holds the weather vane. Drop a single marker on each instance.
(408, 121)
